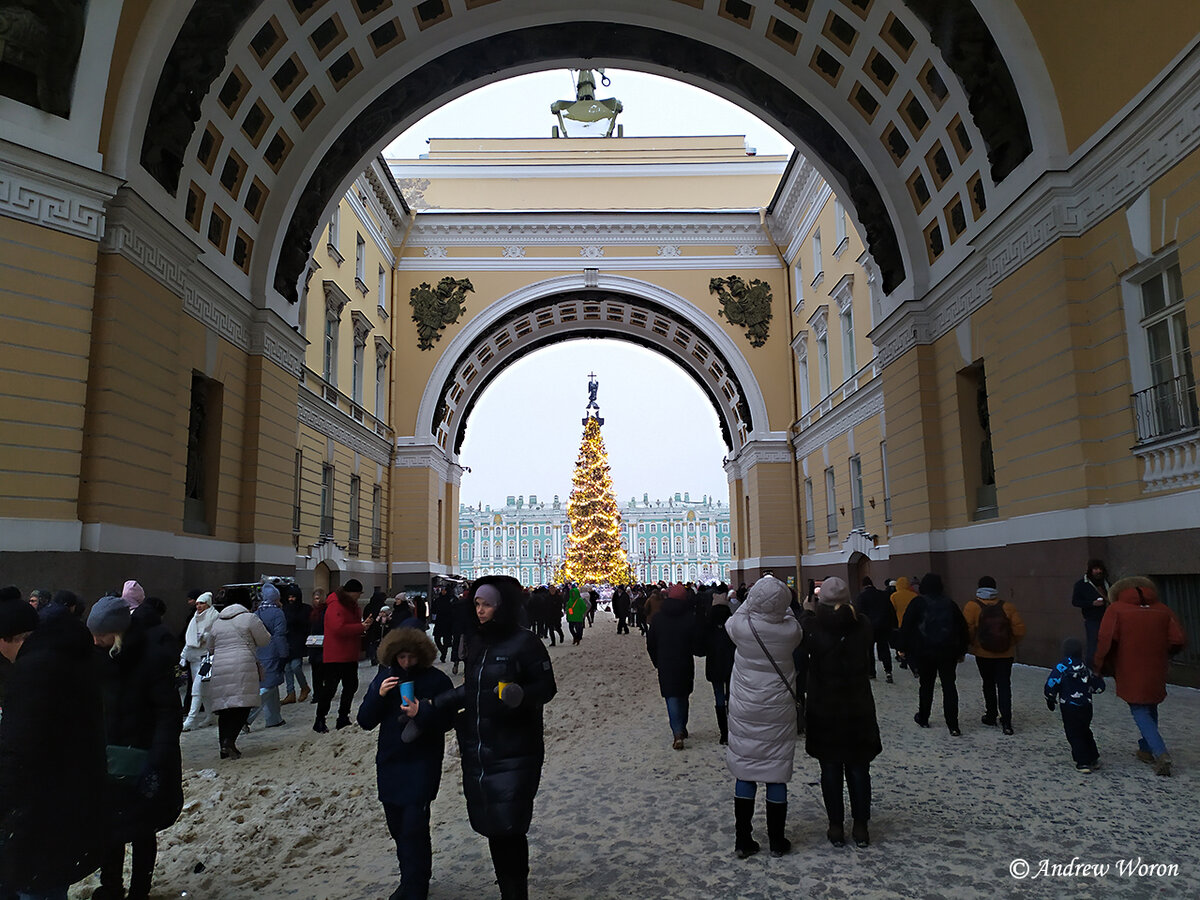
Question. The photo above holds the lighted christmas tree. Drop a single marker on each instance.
(594, 553)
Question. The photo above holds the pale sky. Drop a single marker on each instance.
(661, 432)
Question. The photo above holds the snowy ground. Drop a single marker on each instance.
(621, 815)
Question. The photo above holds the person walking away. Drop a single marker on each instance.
(934, 636)
(620, 603)
(142, 718)
(236, 636)
(1071, 685)
(1138, 636)
(554, 615)
(841, 731)
(672, 642)
(272, 657)
(408, 760)
(718, 660)
(876, 606)
(464, 625)
(443, 622)
(344, 627)
(315, 642)
(197, 646)
(374, 633)
(509, 679)
(901, 597)
(592, 596)
(994, 628)
(577, 607)
(297, 614)
(762, 710)
(1090, 597)
(51, 753)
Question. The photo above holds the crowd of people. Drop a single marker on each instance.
(780, 665)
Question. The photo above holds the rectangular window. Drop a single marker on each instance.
(356, 375)
(296, 471)
(887, 494)
(360, 258)
(797, 287)
(849, 363)
(335, 228)
(380, 390)
(974, 421)
(1169, 404)
(329, 360)
(839, 213)
(858, 514)
(203, 456)
(383, 304)
(831, 511)
(355, 492)
(818, 267)
(823, 365)
(802, 383)
(326, 502)
(810, 525)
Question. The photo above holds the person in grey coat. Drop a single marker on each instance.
(271, 658)
(762, 710)
(236, 635)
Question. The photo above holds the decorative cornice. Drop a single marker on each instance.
(435, 231)
(426, 456)
(274, 339)
(864, 403)
(52, 192)
(335, 298)
(138, 232)
(388, 196)
(754, 453)
(819, 321)
(800, 345)
(313, 411)
(1156, 135)
(362, 326)
(383, 349)
(568, 263)
(222, 310)
(843, 292)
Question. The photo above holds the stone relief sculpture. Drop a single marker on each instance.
(39, 51)
(436, 307)
(745, 303)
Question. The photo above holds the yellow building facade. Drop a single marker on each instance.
(981, 270)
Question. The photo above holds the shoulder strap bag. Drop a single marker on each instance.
(778, 671)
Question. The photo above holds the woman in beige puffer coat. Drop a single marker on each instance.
(236, 634)
(762, 709)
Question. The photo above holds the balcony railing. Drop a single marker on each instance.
(345, 404)
(1166, 408)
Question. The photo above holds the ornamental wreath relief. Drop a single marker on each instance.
(436, 307)
(745, 304)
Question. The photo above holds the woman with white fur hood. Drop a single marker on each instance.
(762, 710)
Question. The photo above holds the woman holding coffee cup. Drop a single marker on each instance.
(408, 760)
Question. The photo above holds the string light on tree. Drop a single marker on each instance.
(594, 552)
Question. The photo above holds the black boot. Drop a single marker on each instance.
(723, 723)
(743, 816)
(776, 820)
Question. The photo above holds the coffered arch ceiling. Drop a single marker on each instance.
(265, 111)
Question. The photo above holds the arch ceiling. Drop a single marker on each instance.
(571, 307)
(263, 112)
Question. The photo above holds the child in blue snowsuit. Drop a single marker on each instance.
(1071, 685)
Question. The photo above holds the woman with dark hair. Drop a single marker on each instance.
(411, 743)
(142, 721)
(236, 636)
(508, 680)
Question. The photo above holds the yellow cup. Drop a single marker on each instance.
(500, 688)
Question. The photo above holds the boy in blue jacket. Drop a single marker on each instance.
(1071, 684)
(408, 761)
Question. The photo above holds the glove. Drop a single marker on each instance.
(1050, 704)
(512, 695)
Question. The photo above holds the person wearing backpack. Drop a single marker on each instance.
(934, 637)
(995, 627)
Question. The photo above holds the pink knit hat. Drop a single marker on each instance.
(132, 594)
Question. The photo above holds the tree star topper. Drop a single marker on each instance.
(745, 304)
(436, 307)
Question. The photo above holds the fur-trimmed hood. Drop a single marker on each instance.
(406, 640)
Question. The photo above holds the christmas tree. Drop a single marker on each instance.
(594, 553)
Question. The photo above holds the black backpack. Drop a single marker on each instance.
(937, 626)
(994, 632)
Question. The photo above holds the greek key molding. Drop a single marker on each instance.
(313, 411)
(427, 456)
(754, 453)
(136, 231)
(864, 403)
(53, 193)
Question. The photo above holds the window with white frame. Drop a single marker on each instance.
(360, 258)
(329, 357)
(887, 494)
(849, 363)
(823, 364)
(810, 527)
(839, 213)
(797, 286)
(382, 291)
(831, 514)
(356, 372)
(857, 513)
(800, 348)
(1168, 404)
(818, 266)
(335, 231)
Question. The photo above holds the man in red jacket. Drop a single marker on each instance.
(344, 627)
(1138, 636)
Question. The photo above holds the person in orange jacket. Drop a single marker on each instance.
(994, 627)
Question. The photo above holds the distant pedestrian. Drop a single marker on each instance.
(718, 660)
(577, 608)
(344, 627)
(934, 636)
(197, 649)
(297, 613)
(1090, 596)
(443, 621)
(673, 641)
(1071, 685)
(234, 686)
(464, 624)
(876, 607)
(994, 628)
(762, 710)
(554, 615)
(901, 597)
(1138, 637)
(621, 604)
(272, 657)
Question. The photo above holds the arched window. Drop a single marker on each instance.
(678, 545)
(512, 551)
(703, 545)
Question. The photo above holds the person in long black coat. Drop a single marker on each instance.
(52, 767)
(297, 614)
(500, 731)
(443, 621)
(841, 729)
(408, 761)
(463, 622)
(935, 638)
(620, 605)
(718, 661)
(673, 639)
(877, 607)
(142, 711)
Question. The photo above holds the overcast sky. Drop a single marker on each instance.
(661, 432)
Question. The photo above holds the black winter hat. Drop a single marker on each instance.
(931, 585)
(353, 586)
(16, 617)
(1072, 648)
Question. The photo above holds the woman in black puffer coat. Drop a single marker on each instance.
(142, 711)
(500, 733)
(842, 732)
